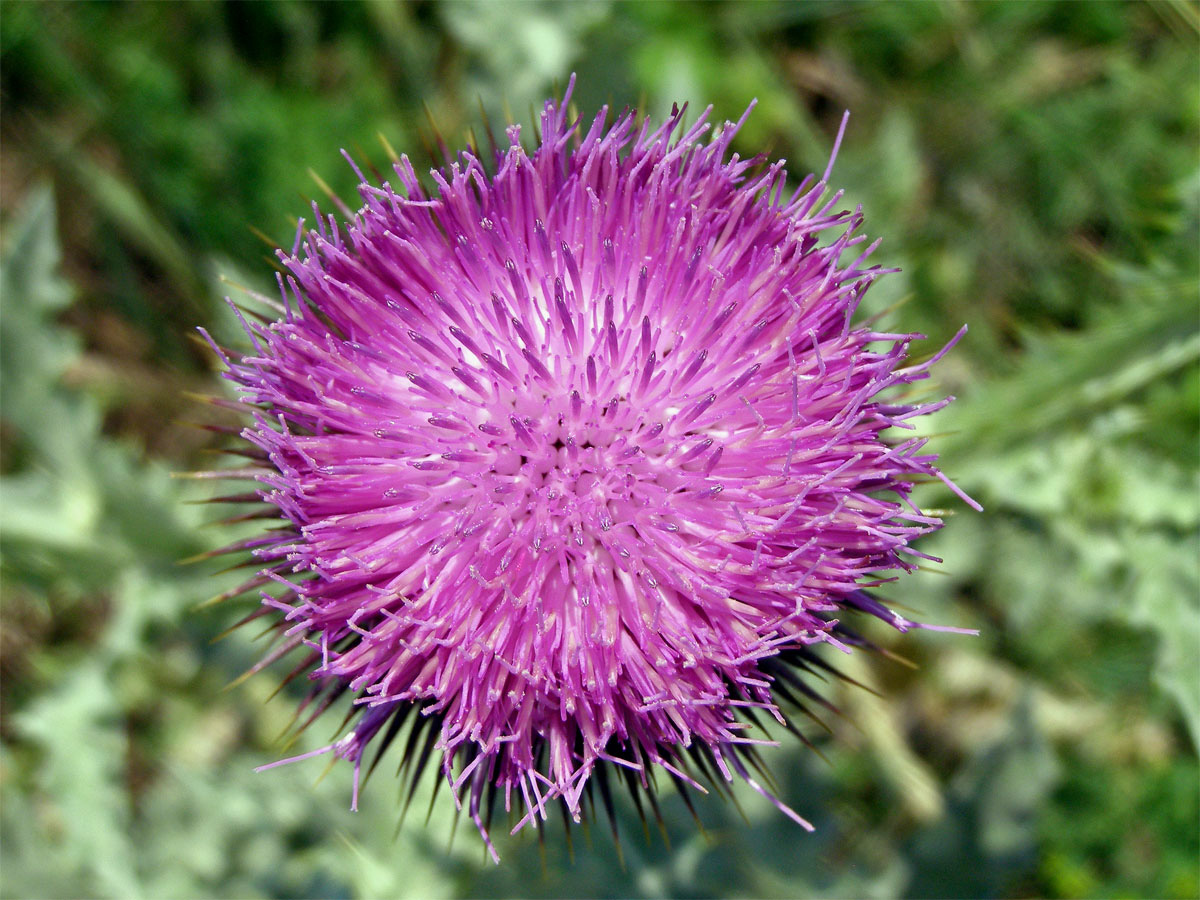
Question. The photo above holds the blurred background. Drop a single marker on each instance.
(1032, 167)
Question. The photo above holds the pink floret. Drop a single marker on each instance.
(570, 446)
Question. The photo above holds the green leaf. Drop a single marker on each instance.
(986, 842)
(1166, 600)
(79, 731)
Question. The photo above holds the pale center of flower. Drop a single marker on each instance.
(576, 463)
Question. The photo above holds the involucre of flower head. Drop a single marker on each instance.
(576, 455)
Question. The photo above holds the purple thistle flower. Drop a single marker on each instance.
(577, 456)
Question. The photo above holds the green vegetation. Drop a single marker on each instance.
(1033, 170)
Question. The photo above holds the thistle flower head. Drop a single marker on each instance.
(576, 454)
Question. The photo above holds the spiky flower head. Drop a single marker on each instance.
(577, 455)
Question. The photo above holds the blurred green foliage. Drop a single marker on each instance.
(1033, 169)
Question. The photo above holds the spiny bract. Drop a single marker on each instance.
(576, 455)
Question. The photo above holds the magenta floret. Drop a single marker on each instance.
(573, 450)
